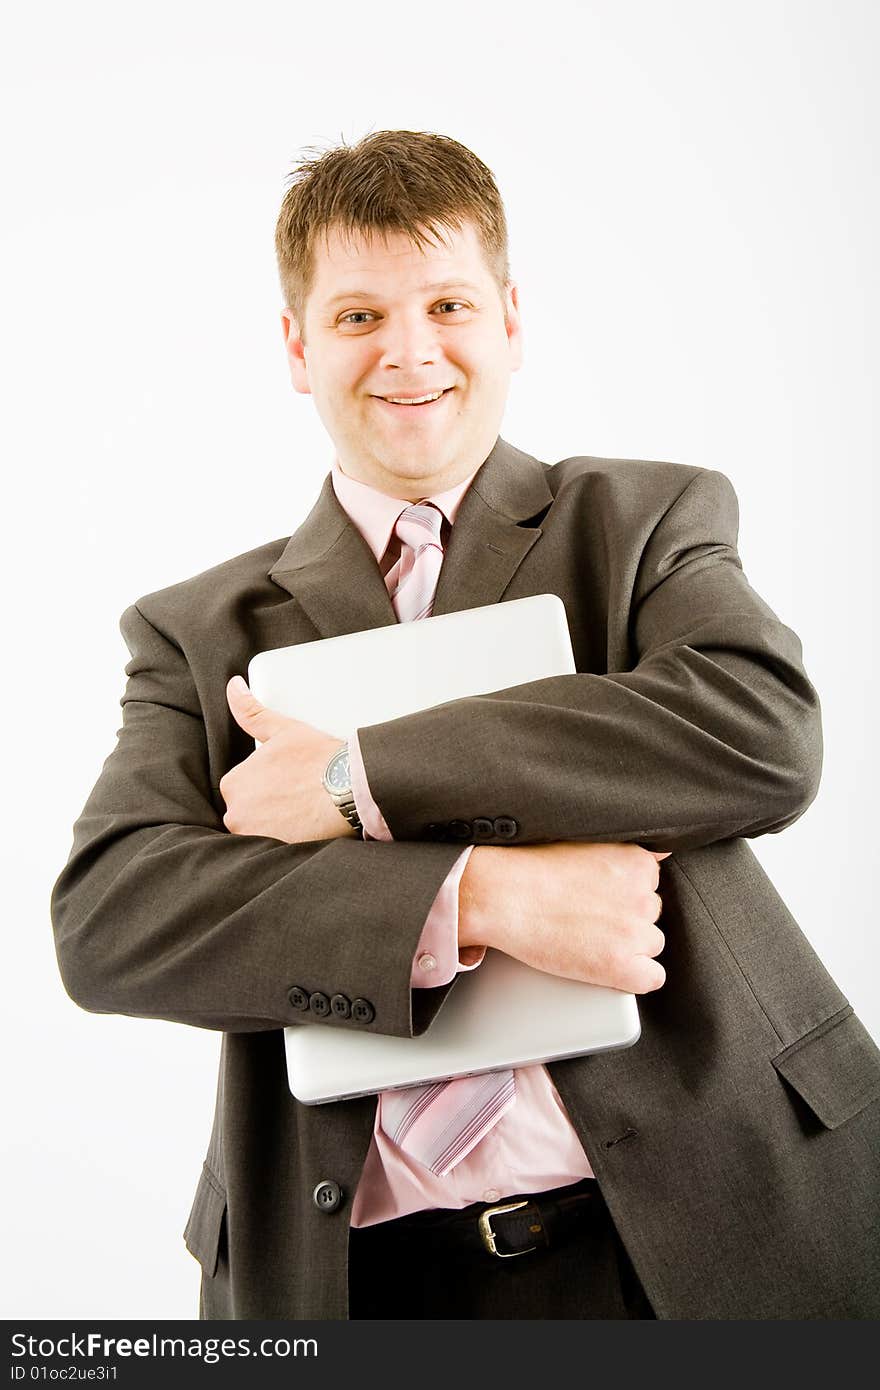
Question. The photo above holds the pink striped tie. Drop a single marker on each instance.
(440, 1123)
(413, 580)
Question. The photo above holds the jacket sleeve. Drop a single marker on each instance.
(160, 912)
(715, 732)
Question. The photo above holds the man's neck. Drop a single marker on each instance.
(408, 489)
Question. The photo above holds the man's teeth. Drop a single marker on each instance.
(414, 400)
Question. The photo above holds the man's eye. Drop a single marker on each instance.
(451, 305)
(356, 316)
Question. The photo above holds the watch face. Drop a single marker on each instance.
(338, 775)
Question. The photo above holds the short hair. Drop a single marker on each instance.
(409, 181)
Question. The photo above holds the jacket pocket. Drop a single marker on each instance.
(202, 1232)
(835, 1068)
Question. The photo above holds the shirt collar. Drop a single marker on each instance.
(375, 514)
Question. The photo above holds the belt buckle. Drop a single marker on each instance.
(487, 1235)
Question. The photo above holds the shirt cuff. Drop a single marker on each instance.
(439, 958)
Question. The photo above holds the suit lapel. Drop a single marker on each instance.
(488, 542)
(329, 569)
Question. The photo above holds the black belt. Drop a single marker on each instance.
(516, 1226)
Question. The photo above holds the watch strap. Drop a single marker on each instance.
(343, 797)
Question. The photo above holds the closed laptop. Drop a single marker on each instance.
(504, 1013)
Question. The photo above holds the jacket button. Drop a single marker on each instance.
(434, 831)
(327, 1196)
(319, 1004)
(362, 1011)
(460, 829)
(298, 997)
(484, 829)
(340, 1004)
(505, 827)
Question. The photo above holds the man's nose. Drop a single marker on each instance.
(409, 342)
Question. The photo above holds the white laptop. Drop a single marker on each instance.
(504, 1013)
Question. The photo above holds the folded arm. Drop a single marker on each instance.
(714, 732)
(161, 913)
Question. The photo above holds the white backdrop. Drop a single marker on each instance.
(694, 214)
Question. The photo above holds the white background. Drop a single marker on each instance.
(693, 205)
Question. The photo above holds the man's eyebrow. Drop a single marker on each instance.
(423, 289)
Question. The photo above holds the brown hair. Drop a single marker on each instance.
(409, 181)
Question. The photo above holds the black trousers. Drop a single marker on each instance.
(395, 1272)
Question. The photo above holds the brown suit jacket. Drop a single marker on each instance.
(737, 1142)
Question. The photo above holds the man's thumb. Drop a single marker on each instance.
(248, 713)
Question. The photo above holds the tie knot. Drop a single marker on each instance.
(420, 525)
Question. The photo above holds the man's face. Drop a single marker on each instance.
(386, 321)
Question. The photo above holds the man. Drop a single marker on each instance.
(724, 1166)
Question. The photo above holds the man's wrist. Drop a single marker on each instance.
(480, 897)
(337, 784)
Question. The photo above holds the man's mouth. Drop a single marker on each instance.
(412, 402)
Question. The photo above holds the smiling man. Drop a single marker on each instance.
(409, 362)
(349, 882)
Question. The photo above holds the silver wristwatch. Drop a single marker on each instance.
(337, 781)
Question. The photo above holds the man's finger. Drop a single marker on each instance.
(258, 721)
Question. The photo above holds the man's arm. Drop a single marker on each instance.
(714, 733)
(161, 913)
(582, 910)
(587, 912)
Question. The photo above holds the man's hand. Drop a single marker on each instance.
(278, 790)
(584, 911)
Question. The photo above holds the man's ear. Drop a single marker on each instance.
(513, 325)
(296, 353)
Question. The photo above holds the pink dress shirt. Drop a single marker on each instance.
(533, 1146)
